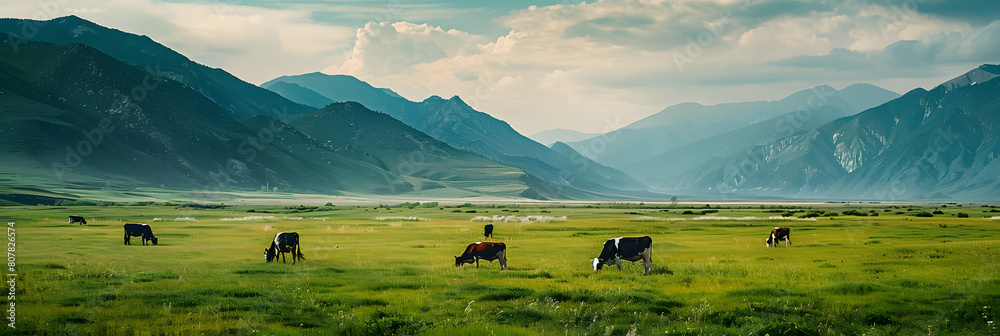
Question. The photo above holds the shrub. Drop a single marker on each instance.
(963, 215)
(687, 212)
(938, 212)
(924, 214)
(854, 213)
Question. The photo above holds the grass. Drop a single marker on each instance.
(885, 275)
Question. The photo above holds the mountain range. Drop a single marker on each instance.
(641, 148)
(555, 174)
(85, 107)
(816, 107)
(76, 118)
(928, 144)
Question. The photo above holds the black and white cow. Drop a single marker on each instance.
(779, 234)
(284, 242)
(485, 251)
(139, 230)
(77, 219)
(628, 248)
(488, 231)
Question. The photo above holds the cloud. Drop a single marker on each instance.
(977, 47)
(589, 65)
(384, 49)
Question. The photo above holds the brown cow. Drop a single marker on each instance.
(778, 234)
(486, 251)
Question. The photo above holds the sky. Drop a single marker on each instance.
(588, 66)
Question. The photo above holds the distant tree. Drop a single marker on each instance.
(673, 201)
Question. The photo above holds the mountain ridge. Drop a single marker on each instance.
(682, 124)
(926, 142)
(456, 123)
(240, 98)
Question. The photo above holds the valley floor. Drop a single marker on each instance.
(390, 270)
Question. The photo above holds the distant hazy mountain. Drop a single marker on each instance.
(69, 119)
(683, 124)
(457, 124)
(936, 144)
(241, 99)
(552, 136)
(662, 171)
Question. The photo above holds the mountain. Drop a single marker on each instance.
(552, 175)
(661, 171)
(938, 144)
(549, 137)
(239, 98)
(75, 118)
(684, 124)
(378, 139)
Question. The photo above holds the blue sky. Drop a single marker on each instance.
(589, 66)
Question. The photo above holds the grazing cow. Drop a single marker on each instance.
(779, 234)
(628, 248)
(77, 219)
(484, 251)
(488, 231)
(139, 230)
(284, 242)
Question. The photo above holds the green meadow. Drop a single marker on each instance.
(390, 271)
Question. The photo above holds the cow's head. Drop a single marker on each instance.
(597, 264)
(770, 239)
(269, 254)
(459, 261)
(155, 240)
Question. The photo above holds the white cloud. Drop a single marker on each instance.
(585, 66)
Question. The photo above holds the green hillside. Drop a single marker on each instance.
(74, 118)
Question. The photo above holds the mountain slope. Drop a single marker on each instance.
(459, 125)
(939, 143)
(72, 118)
(241, 99)
(380, 140)
(661, 171)
(61, 96)
(683, 124)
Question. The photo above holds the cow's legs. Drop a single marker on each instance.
(295, 256)
(647, 260)
(283, 258)
(127, 242)
(477, 261)
(788, 241)
(503, 260)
